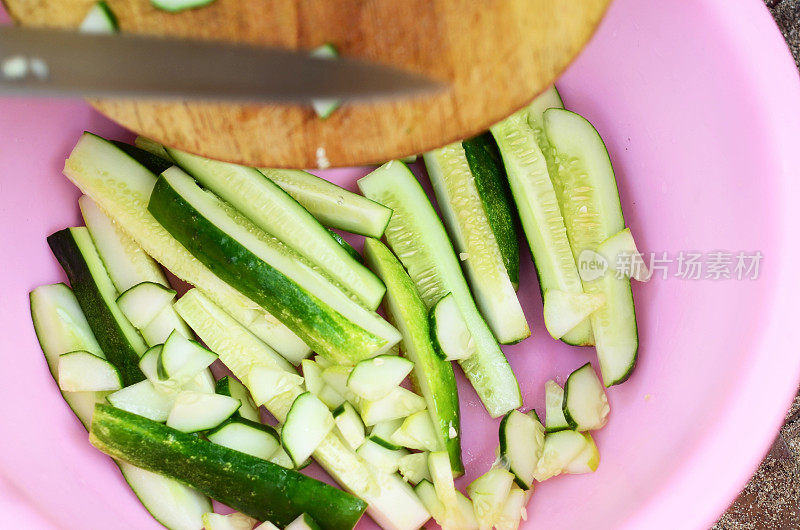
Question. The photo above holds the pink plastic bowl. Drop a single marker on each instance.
(699, 103)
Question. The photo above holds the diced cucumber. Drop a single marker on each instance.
(375, 378)
(262, 268)
(560, 448)
(179, 5)
(588, 196)
(141, 303)
(182, 359)
(442, 475)
(266, 382)
(449, 333)
(203, 382)
(587, 460)
(145, 399)
(585, 403)
(325, 107)
(162, 326)
(521, 441)
(282, 458)
(554, 411)
(465, 514)
(151, 146)
(99, 19)
(508, 518)
(538, 207)
(488, 494)
(303, 522)
(323, 362)
(81, 371)
(197, 411)
(155, 163)
(96, 295)
(427, 494)
(275, 212)
(331, 205)
(233, 521)
(247, 436)
(350, 426)
(331, 397)
(382, 432)
(621, 246)
(336, 378)
(414, 467)
(465, 212)
(253, 486)
(417, 432)
(432, 375)
(380, 458)
(307, 423)
(312, 376)
(419, 240)
(399, 403)
(564, 311)
(266, 525)
(228, 386)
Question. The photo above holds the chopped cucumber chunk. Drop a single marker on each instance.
(179, 5)
(266, 382)
(144, 399)
(331, 397)
(303, 522)
(228, 386)
(81, 371)
(587, 460)
(382, 432)
(162, 326)
(248, 437)
(427, 494)
(399, 403)
(585, 403)
(554, 407)
(512, 511)
(489, 493)
(449, 332)
(521, 441)
(336, 378)
(560, 448)
(282, 458)
(142, 302)
(414, 467)
(266, 525)
(375, 378)
(182, 359)
(233, 521)
(308, 422)
(198, 411)
(99, 19)
(151, 146)
(148, 364)
(350, 426)
(442, 475)
(417, 432)
(381, 458)
(621, 248)
(312, 374)
(563, 311)
(325, 107)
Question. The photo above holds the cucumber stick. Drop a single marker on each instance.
(465, 212)
(61, 327)
(277, 213)
(122, 344)
(433, 376)
(254, 486)
(121, 186)
(530, 182)
(155, 163)
(266, 271)
(332, 205)
(392, 502)
(419, 240)
(587, 192)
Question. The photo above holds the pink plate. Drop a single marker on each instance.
(699, 102)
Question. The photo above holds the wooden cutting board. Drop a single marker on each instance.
(497, 55)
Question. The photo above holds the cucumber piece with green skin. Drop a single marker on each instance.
(488, 494)
(554, 412)
(325, 107)
(247, 436)
(381, 458)
(449, 333)
(419, 240)
(427, 494)
(349, 424)
(155, 163)
(81, 371)
(197, 411)
(621, 245)
(233, 521)
(592, 216)
(121, 187)
(253, 486)
(433, 376)
(275, 212)
(179, 5)
(267, 382)
(464, 211)
(521, 442)
(307, 423)
(414, 467)
(586, 461)
(99, 19)
(266, 525)
(328, 321)
(151, 146)
(96, 294)
(148, 363)
(346, 246)
(399, 403)
(312, 376)
(304, 522)
(332, 205)
(564, 311)
(559, 449)
(381, 433)
(375, 378)
(534, 194)
(512, 511)
(336, 378)
(585, 404)
(182, 359)
(228, 386)
(141, 303)
(417, 432)
(146, 400)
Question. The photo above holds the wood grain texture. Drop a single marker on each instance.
(497, 54)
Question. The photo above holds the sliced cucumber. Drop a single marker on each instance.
(277, 213)
(432, 375)
(307, 423)
(233, 521)
(312, 376)
(564, 311)
(228, 386)
(521, 441)
(442, 475)
(282, 458)
(560, 448)
(331, 397)
(508, 518)
(585, 403)
(162, 326)
(325, 107)
(464, 211)
(264, 269)
(350, 426)
(99, 19)
(382, 432)
(144, 301)
(96, 294)
(303, 522)
(592, 216)
(622, 246)
(465, 514)
(336, 378)
(266, 525)
(449, 333)
(247, 436)
(148, 364)
(587, 460)
(379, 457)
(419, 240)
(375, 378)
(331, 205)
(145, 399)
(156, 164)
(414, 467)
(554, 412)
(539, 212)
(179, 5)
(197, 411)
(253, 486)
(345, 245)
(266, 382)
(417, 432)
(427, 494)
(81, 371)
(182, 359)
(488, 494)
(151, 146)
(399, 403)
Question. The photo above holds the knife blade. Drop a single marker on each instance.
(46, 62)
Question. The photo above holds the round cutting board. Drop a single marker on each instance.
(496, 56)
